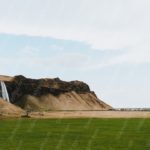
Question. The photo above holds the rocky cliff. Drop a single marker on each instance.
(52, 94)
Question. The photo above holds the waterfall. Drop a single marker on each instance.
(4, 92)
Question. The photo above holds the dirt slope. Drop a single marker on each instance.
(8, 109)
(66, 101)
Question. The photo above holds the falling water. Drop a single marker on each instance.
(5, 95)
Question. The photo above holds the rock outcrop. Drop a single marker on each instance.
(52, 94)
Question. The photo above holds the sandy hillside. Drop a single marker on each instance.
(65, 101)
(8, 109)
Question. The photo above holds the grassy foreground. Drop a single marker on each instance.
(75, 134)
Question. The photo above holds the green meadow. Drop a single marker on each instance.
(75, 134)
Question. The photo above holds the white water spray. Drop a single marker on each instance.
(4, 95)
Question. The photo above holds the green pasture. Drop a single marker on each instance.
(75, 134)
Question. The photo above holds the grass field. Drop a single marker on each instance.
(75, 134)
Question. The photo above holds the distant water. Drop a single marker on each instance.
(4, 92)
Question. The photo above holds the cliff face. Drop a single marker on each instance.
(52, 94)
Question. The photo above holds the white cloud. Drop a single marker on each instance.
(104, 24)
(130, 56)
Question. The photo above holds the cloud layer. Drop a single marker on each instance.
(105, 24)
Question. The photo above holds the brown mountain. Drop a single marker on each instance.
(51, 94)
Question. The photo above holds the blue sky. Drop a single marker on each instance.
(101, 42)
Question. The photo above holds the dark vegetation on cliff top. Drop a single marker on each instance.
(21, 85)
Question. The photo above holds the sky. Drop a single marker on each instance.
(104, 43)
